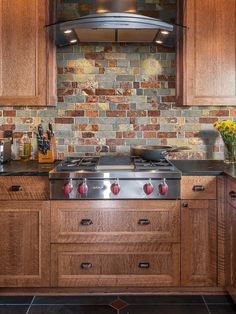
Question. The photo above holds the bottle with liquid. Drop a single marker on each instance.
(25, 147)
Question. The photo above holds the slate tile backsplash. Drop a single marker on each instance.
(111, 97)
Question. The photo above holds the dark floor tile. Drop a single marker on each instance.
(222, 308)
(71, 309)
(215, 299)
(118, 304)
(88, 300)
(13, 309)
(165, 309)
(15, 299)
(163, 299)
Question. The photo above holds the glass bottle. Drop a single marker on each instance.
(25, 147)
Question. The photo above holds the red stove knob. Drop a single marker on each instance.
(83, 188)
(68, 187)
(148, 188)
(163, 187)
(115, 187)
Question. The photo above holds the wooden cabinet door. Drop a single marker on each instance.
(209, 53)
(25, 243)
(27, 59)
(198, 243)
(231, 251)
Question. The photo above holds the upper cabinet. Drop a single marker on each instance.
(209, 53)
(27, 58)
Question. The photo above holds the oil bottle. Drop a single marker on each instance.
(25, 147)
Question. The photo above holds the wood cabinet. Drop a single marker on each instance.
(199, 234)
(231, 239)
(115, 243)
(27, 58)
(24, 232)
(209, 53)
(124, 265)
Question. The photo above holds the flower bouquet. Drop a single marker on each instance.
(227, 130)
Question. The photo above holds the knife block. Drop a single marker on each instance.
(50, 156)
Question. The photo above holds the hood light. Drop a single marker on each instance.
(164, 32)
(68, 31)
(159, 41)
(72, 41)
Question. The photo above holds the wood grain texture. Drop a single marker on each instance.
(207, 182)
(210, 52)
(25, 243)
(115, 221)
(24, 54)
(198, 243)
(115, 265)
(231, 187)
(32, 188)
(221, 229)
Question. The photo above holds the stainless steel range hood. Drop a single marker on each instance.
(110, 27)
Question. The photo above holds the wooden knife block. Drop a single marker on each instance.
(51, 154)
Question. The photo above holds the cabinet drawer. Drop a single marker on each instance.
(111, 221)
(24, 188)
(231, 192)
(76, 265)
(199, 187)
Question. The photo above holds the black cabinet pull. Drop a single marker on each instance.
(144, 222)
(232, 194)
(86, 222)
(86, 265)
(144, 265)
(16, 188)
(198, 188)
(185, 204)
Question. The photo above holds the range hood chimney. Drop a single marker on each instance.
(114, 21)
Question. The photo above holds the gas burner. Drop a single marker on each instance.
(143, 164)
(83, 163)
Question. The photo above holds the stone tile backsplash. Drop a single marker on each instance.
(111, 97)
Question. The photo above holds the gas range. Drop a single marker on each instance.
(114, 177)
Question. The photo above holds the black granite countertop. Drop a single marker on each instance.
(25, 168)
(201, 167)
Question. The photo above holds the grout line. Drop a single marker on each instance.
(30, 305)
(208, 310)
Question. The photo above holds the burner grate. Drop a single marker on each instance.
(83, 163)
(143, 164)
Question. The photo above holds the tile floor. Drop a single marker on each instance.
(130, 304)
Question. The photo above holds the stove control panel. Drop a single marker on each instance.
(115, 188)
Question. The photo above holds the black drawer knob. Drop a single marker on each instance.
(144, 265)
(144, 222)
(86, 265)
(185, 205)
(232, 194)
(198, 188)
(86, 222)
(16, 188)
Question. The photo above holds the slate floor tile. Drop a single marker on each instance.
(71, 309)
(215, 299)
(13, 309)
(88, 300)
(222, 308)
(163, 299)
(165, 309)
(15, 299)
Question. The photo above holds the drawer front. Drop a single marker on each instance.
(115, 265)
(74, 223)
(199, 187)
(24, 188)
(231, 192)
